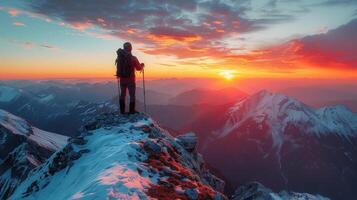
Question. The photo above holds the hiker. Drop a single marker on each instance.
(126, 65)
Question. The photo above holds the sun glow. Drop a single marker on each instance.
(228, 74)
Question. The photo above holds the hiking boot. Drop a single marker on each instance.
(132, 108)
(122, 106)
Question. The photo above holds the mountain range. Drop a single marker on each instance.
(267, 137)
(122, 157)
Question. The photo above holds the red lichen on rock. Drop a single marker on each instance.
(173, 173)
(164, 193)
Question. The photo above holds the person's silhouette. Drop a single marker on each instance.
(126, 65)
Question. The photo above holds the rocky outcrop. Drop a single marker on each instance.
(188, 141)
(124, 157)
(257, 191)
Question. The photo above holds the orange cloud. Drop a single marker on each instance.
(81, 26)
(217, 22)
(170, 40)
(131, 31)
(18, 24)
(171, 36)
(14, 12)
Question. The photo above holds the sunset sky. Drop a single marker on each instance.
(232, 39)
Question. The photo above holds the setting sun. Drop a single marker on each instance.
(228, 74)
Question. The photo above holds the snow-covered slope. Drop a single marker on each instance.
(339, 119)
(19, 126)
(22, 147)
(120, 157)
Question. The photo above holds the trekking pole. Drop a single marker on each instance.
(144, 91)
(118, 94)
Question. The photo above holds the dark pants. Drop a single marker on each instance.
(127, 83)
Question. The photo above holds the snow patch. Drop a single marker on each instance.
(48, 140)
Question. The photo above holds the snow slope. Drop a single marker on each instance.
(22, 148)
(122, 158)
(19, 126)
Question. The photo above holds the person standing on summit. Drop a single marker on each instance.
(126, 65)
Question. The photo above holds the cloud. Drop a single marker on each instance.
(194, 30)
(161, 25)
(338, 2)
(18, 24)
(14, 12)
(31, 45)
(25, 44)
(333, 49)
(80, 25)
(49, 47)
(337, 47)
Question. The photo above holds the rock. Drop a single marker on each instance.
(82, 151)
(91, 126)
(219, 197)
(254, 191)
(192, 194)
(257, 191)
(217, 183)
(78, 140)
(146, 129)
(188, 141)
(75, 155)
(152, 147)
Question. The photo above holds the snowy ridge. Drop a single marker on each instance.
(278, 110)
(19, 126)
(122, 158)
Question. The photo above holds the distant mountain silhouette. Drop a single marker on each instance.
(208, 97)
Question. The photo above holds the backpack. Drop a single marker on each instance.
(123, 64)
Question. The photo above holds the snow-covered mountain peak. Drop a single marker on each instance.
(123, 157)
(279, 111)
(265, 101)
(276, 110)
